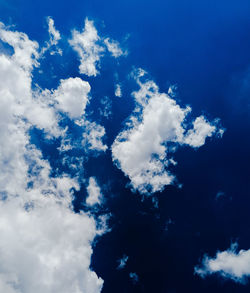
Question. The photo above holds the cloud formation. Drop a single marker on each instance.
(94, 192)
(92, 137)
(54, 38)
(114, 48)
(118, 90)
(72, 96)
(91, 47)
(228, 264)
(44, 245)
(54, 34)
(143, 151)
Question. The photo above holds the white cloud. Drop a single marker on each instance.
(92, 137)
(118, 90)
(229, 264)
(72, 96)
(86, 45)
(159, 125)
(54, 37)
(25, 50)
(202, 129)
(44, 246)
(114, 48)
(91, 47)
(94, 192)
(53, 33)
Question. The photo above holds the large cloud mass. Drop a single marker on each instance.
(44, 246)
(143, 150)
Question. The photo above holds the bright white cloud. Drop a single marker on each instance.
(44, 246)
(54, 37)
(229, 264)
(25, 50)
(202, 129)
(86, 44)
(143, 150)
(94, 192)
(72, 96)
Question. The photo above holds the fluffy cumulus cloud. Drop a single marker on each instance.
(94, 192)
(91, 47)
(143, 151)
(44, 245)
(72, 96)
(229, 264)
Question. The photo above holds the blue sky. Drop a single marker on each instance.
(124, 146)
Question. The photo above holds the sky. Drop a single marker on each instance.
(124, 146)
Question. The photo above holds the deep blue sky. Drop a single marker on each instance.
(204, 48)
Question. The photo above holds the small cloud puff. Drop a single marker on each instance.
(118, 90)
(94, 192)
(122, 262)
(72, 96)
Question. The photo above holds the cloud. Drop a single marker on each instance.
(54, 37)
(122, 262)
(25, 51)
(44, 246)
(114, 48)
(134, 277)
(85, 43)
(196, 136)
(53, 33)
(94, 192)
(92, 137)
(91, 47)
(228, 264)
(143, 150)
(72, 96)
(118, 90)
